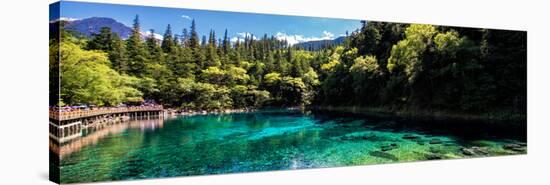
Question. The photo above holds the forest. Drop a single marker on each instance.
(387, 66)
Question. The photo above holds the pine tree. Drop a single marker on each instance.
(212, 38)
(203, 41)
(225, 43)
(137, 53)
(168, 40)
(194, 39)
(279, 63)
(184, 38)
(211, 54)
(110, 43)
(101, 40)
(198, 55)
(155, 51)
(176, 40)
(118, 55)
(289, 55)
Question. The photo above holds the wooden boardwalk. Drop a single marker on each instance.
(77, 114)
(68, 125)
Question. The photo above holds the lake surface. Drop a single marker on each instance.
(274, 140)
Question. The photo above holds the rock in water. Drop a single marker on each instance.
(468, 151)
(386, 148)
(522, 149)
(383, 155)
(411, 136)
(389, 147)
(515, 147)
(435, 150)
(369, 136)
(510, 146)
(435, 141)
(480, 150)
(432, 156)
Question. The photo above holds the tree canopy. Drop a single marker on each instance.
(396, 66)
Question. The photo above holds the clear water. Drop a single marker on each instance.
(270, 140)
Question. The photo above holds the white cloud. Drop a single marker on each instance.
(291, 39)
(246, 34)
(156, 35)
(235, 39)
(241, 35)
(186, 17)
(295, 39)
(69, 19)
(328, 34)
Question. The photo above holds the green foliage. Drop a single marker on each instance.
(168, 45)
(244, 96)
(366, 75)
(366, 40)
(294, 91)
(118, 55)
(236, 75)
(333, 61)
(86, 78)
(110, 43)
(102, 40)
(155, 51)
(208, 96)
(136, 50)
(395, 66)
(272, 79)
(364, 65)
(407, 54)
(214, 75)
(448, 43)
(311, 78)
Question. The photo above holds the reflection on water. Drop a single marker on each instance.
(94, 137)
(274, 140)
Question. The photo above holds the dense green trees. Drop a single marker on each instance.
(425, 67)
(86, 78)
(136, 51)
(394, 66)
(181, 73)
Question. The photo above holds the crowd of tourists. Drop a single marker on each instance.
(147, 103)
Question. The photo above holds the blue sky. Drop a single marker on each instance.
(293, 28)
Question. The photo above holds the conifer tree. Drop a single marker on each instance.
(137, 53)
(118, 55)
(203, 41)
(226, 43)
(168, 40)
(102, 40)
(155, 51)
(185, 38)
(194, 39)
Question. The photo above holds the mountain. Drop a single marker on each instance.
(92, 25)
(320, 44)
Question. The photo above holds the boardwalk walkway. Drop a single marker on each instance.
(61, 115)
(68, 124)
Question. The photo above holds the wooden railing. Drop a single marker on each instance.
(74, 114)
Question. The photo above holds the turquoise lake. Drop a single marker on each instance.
(275, 139)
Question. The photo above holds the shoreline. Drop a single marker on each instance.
(428, 115)
(425, 114)
(180, 112)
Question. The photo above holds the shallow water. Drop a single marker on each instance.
(272, 140)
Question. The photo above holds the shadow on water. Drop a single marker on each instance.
(461, 129)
